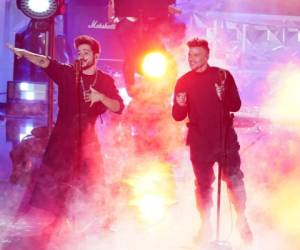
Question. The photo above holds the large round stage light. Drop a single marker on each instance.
(39, 9)
(154, 64)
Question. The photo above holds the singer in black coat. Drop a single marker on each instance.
(207, 96)
(72, 160)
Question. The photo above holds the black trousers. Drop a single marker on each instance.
(231, 174)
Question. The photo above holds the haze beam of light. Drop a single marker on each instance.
(152, 190)
(283, 106)
(286, 207)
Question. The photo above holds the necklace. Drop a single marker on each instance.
(92, 85)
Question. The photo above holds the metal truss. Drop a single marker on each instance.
(248, 38)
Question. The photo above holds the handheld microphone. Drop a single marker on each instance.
(78, 65)
(78, 69)
(220, 86)
(222, 76)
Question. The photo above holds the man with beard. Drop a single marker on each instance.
(72, 159)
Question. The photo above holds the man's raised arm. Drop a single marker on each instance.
(39, 60)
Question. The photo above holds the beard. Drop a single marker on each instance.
(89, 65)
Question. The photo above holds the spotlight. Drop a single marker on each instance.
(154, 64)
(40, 9)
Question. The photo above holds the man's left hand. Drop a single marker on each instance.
(92, 95)
(220, 91)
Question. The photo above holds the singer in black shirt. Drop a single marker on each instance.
(207, 95)
(72, 160)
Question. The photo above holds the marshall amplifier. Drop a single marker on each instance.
(91, 18)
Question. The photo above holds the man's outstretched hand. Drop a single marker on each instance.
(16, 51)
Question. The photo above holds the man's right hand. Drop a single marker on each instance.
(181, 98)
(16, 51)
(39, 60)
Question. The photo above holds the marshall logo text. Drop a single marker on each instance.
(95, 24)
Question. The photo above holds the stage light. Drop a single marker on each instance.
(40, 9)
(24, 86)
(25, 131)
(154, 64)
(38, 5)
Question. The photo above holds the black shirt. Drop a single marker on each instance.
(204, 109)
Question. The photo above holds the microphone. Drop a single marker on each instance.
(78, 69)
(78, 65)
(220, 86)
(222, 76)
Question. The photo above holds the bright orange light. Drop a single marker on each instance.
(152, 190)
(154, 64)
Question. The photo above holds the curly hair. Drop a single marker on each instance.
(197, 42)
(84, 39)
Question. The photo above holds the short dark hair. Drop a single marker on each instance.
(197, 42)
(84, 39)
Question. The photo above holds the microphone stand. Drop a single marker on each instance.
(78, 72)
(218, 244)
